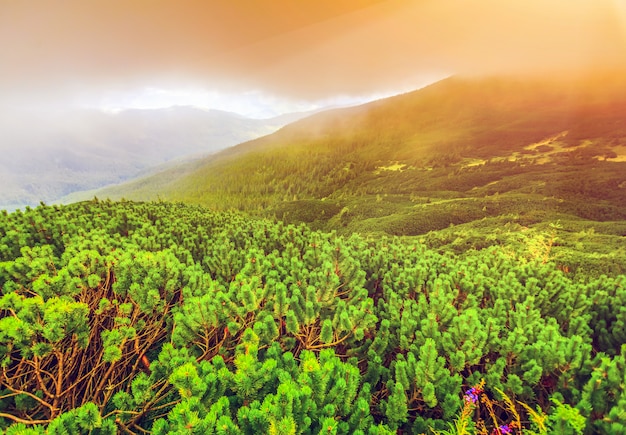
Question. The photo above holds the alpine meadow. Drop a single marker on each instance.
(356, 217)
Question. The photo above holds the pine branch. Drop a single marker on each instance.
(23, 421)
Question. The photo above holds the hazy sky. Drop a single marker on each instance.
(261, 57)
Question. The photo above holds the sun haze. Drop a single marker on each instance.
(77, 51)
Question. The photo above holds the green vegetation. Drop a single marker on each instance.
(121, 317)
(476, 154)
(450, 261)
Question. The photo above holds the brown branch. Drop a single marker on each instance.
(118, 412)
(140, 429)
(149, 405)
(23, 421)
(71, 375)
(165, 405)
(105, 377)
(124, 427)
(59, 379)
(38, 372)
(18, 391)
(334, 343)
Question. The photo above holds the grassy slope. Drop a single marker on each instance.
(472, 153)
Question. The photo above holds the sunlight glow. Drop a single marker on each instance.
(251, 104)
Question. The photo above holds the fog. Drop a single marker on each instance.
(82, 53)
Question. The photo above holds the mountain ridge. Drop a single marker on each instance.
(457, 124)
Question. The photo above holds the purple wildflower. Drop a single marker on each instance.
(502, 430)
(471, 395)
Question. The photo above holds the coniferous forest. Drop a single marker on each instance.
(163, 318)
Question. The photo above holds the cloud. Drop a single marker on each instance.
(397, 45)
(76, 51)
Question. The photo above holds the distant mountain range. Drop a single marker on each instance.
(46, 158)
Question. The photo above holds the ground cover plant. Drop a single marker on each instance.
(121, 317)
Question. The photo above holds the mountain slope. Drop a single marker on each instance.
(459, 138)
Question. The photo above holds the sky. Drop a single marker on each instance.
(261, 58)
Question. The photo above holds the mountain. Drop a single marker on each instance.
(561, 142)
(46, 157)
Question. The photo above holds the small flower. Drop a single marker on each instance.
(472, 394)
(502, 430)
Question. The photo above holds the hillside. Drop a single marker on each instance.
(481, 153)
(458, 137)
(500, 307)
(48, 156)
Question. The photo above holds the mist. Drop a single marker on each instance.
(83, 52)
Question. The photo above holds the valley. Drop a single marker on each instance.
(48, 156)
